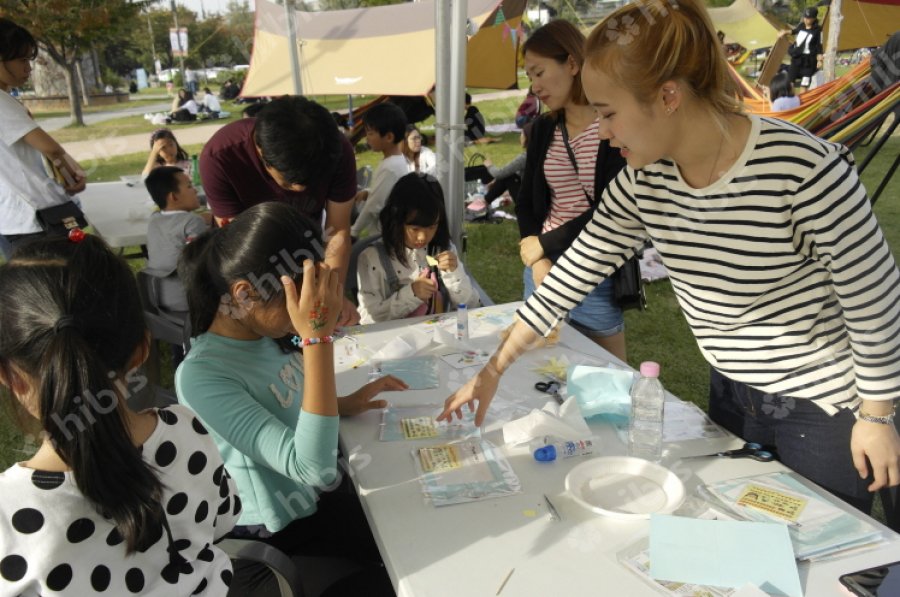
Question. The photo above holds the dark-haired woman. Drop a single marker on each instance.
(806, 51)
(113, 501)
(413, 269)
(567, 167)
(25, 186)
(273, 411)
(184, 107)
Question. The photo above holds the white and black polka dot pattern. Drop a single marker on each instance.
(52, 541)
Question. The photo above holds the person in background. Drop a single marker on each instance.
(476, 129)
(229, 90)
(567, 167)
(291, 152)
(170, 229)
(800, 320)
(113, 502)
(211, 103)
(419, 157)
(165, 151)
(528, 110)
(806, 51)
(187, 108)
(885, 63)
(781, 93)
(25, 185)
(508, 177)
(272, 410)
(190, 80)
(413, 269)
(385, 130)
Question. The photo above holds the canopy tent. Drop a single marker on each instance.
(383, 50)
(742, 23)
(866, 23)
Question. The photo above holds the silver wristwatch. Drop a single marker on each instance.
(887, 419)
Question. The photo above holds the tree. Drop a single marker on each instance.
(65, 29)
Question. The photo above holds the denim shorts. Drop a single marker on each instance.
(598, 316)
(806, 438)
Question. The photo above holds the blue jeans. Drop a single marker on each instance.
(806, 438)
(598, 316)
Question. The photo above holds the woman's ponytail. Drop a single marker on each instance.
(201, 281)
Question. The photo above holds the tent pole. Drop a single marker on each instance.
(456, 186)
(442, 100)
(292, 46)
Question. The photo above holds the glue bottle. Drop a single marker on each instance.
(550, 452)
(462, 322)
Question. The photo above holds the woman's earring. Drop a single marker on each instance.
(670, 110)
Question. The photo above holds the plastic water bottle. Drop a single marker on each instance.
(645, 433)
(195, 170)
(462, 323)
(551, 452)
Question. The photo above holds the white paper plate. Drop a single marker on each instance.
(625, 487)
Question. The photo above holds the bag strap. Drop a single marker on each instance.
(392, 281)
(561, 124)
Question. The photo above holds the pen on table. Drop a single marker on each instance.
(505, 580)
(554, 514)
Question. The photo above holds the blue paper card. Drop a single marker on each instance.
(723, 553)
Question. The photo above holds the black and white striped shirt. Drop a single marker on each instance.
(779, 267)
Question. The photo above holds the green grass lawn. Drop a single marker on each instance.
(133, 103)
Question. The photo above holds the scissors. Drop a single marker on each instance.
(750, 450)
(550, 387)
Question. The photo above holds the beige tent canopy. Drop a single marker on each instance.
(742, 23)
(384, 50)
(866, 23)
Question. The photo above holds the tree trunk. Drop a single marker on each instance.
(85, 96)
(95, 62)
(74, 100)
(834, 30)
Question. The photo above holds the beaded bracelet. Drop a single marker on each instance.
(310, 341)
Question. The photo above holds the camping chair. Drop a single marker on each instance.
(279, 564)
(164, 325)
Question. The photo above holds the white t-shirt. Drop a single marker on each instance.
(191, 106)
(389, 171)
(212, 102)
(427, 162)
(24, 184)
(52, 540)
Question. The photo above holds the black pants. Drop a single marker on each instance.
(337, 529)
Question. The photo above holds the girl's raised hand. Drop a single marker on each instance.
(447, 261)
(315, 311)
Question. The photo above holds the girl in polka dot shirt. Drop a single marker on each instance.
(114, 501)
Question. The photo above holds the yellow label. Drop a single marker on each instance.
(772, 502)
(418, 427)
(431, 260)
(439, 458)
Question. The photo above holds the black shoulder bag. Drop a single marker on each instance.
(628, 287)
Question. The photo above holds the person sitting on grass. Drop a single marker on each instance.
(211, 103)
(186, 109)
(385, 130)
(413, 269)
(476, 130)
(419, 157)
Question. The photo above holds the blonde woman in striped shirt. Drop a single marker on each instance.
(567, 166)
(773, 251)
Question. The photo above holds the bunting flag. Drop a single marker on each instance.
(501, 18)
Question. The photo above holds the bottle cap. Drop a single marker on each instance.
(545, 454)
(461, 306)
(650, 369)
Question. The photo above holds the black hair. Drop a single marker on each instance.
(16, 42)
(253, 110)
(781, 86)
(267, 241)
(299, 139)
(71, 319)
(162, 181)
(386, 118)
(206, 90)
(188, 96)
(468, 98)
(416, 199)
(180, 153)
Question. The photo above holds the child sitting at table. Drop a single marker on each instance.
(413, 269)
(165, 151)
(113, 501)
(170, 229)
(272, 412)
